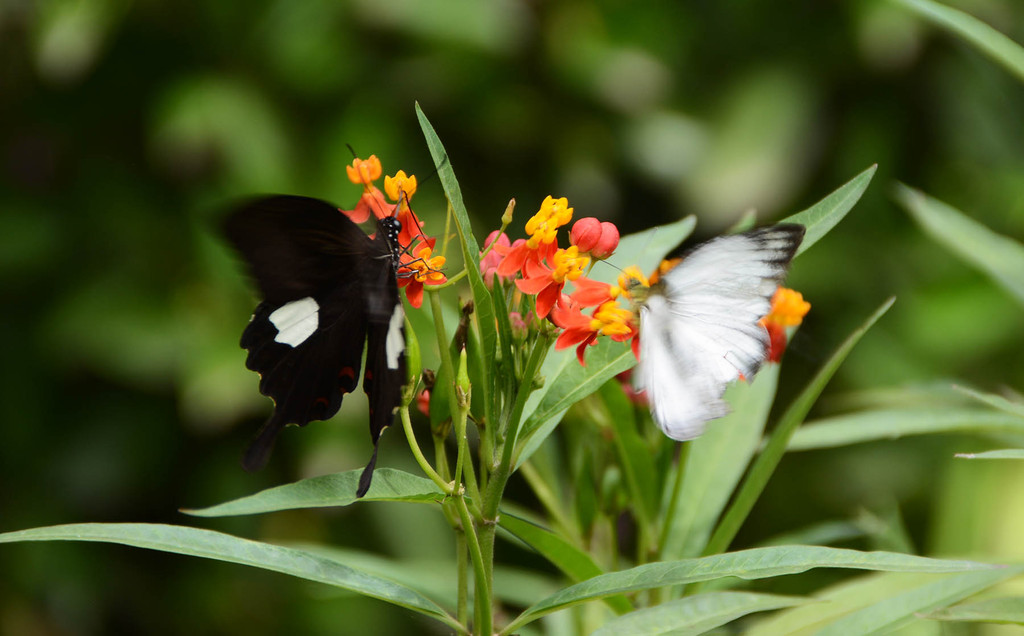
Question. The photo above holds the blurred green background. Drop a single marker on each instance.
(125, 129)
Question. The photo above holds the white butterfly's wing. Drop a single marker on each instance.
(701, 331)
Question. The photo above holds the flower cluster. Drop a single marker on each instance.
(418, 265)
(593, 309)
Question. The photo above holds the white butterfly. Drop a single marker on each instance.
(699, 324)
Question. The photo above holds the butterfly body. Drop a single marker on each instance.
(699, 324)
(328, 290)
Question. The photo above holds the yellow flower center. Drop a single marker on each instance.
(612, 320)
(396, 185)
(542, 227)
(630, 279)
(568, 264)
(788, 308)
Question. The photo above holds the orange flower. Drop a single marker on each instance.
(609, 319)
(364, 171)
(788, 310)
(418, 270)
(400, 184)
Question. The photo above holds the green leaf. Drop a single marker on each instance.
(765, 464)
(224, 547)
(694, 614)
(825, 214)
(899, 609)
(715, 463)
(484, 309)
(757, 563)
(634, 452)
(869, 604)
(566, 383)
(644, 249)
(338, 489)
(994, 610)
(995, 401)
(573, 562)
(866, 426)
(1010, 453)
(999, 256)
(989, 41)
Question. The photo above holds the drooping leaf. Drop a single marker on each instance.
(224, 547)
(694, 614)
(989, 41)
(573, 562)
(751, 564)
(999, 256)
(1009, 453)
(865, 426)
(995, 401)
(825, 214)
(338, 489)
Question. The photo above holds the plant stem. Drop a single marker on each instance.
(548, 499)
(673, 502)
(484, 618)
(445, 486)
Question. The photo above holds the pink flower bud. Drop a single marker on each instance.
(489, 264)
(596, 237)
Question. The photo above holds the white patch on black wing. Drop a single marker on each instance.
(395, 342)
(295, 321)
(702, 330)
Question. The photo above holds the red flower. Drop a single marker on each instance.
(547, 282)
(489, 263)
(423, 402)
(788, 310)
(420, 269)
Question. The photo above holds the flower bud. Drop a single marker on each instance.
(596, 237)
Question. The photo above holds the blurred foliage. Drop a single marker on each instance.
(126, 128)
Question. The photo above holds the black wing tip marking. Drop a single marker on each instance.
(258, 451)
(366, 477)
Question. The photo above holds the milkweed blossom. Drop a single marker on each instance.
(418, 265)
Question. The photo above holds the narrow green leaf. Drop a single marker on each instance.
(823, 533)
(989, 41)
(715, 463)
(751, 564)
(866, 426)
(573, 562)
(870, 595)
(994, 610)
(999, 256)
(634, 452)
(694, 614)
(899, 609)
(995, 401)
(565, 383)
(484, 309)
(1010, 453)
(338, 489)
(224, 547)
(825, 214)
(773, 451)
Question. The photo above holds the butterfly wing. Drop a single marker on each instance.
(700, 326)
(306, 339)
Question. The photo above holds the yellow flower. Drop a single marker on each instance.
(396, 185)
(630, 279)
(568, 264)
(612, 320)
(543, 226)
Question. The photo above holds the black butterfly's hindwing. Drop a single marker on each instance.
(326, 287)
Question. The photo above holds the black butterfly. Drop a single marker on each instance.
(327, 288)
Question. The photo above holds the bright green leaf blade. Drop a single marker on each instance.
(866, 426)
(751, 564)
(484, 309)
(338, 489)
(1009, 453)
(566, 383)
(765, 464)
(634, 452)
(989, 41)
(715, 463)
(993, 610)
(224, 547)
(694, 614)
(999, 256)
(573, 562)
(899, 609)
(825, 214)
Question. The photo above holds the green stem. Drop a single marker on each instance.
(484, 618)
(550, 502)
(462, 560)
(445, 486)
(673, 502)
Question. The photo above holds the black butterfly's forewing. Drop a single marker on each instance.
(306, 339)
